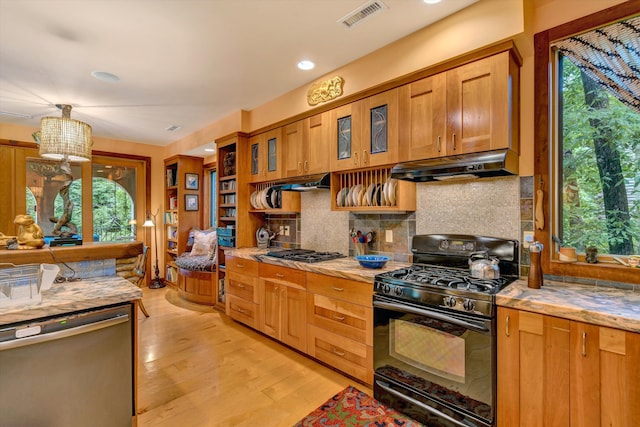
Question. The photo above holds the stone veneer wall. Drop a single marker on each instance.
(499, 207)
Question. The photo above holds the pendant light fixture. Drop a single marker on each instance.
(63, 138)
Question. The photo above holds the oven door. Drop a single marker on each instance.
(435, 365)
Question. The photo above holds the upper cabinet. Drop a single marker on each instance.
(365, 133)
(305, 145)
(471, 108)
(265, 156)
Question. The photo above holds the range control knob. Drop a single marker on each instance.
(449, 301)
(468, 305)
(386, 288)
(398, 291)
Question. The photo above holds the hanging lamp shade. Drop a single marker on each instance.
(62, 137)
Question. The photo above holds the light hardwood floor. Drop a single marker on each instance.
(197, 367)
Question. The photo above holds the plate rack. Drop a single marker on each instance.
(372, 190)
(290, 200)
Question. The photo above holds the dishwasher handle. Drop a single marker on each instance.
(64, 333)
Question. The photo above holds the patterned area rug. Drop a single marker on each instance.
(352, 407)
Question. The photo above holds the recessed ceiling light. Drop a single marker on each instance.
(306, 65)
(105, 77)
(432, 1)
(209, 149)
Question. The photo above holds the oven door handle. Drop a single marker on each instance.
(432, 314)
(419, 404)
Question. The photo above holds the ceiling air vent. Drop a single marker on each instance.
(365, 11)
(173, 128)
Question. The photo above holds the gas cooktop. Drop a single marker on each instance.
(305, 255)
(419, 275)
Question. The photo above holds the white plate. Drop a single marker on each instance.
(393, 186)
(383, 195)
(368, 194)
(263, 199)
(355, 193)
(252, 200)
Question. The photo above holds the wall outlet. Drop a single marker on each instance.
(388, 236)
(281, 231)
(286, 230)
(528, 239)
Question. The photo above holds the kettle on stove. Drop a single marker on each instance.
(263, 237)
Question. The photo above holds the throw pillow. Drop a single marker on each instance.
(203, 242)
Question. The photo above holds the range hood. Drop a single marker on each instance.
(464, 166)
(320, 181)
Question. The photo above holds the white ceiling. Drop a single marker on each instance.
(181, 62)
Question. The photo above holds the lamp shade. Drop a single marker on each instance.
(62, 137)
(148, 223)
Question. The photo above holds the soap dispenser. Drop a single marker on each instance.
(535, 269)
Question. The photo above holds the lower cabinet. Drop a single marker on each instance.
(340, 324)
(326, 317)
(282, 310)
(241, 288)
(558, 372)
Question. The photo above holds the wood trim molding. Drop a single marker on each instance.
(542, 132)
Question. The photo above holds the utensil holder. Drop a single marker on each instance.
(361, 248)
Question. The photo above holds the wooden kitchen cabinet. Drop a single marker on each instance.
(282, 308)
(241, 283)
(471, 108)
(265, 156)
(305, 146)
(557, 372)
(365, 133)
(340, 324)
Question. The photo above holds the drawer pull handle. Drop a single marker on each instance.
(240, 285)
(338, 289)
(240, 265)
(279, 275)
(340, 318)
(584, 344)
(506, 331)
(239, 310)
(338, 353)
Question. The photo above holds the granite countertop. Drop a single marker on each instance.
(615, 308)
(346, 268)
(68, 297)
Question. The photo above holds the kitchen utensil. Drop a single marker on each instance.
(482, 266)
(535, 278)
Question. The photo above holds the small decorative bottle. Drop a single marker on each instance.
(535, 269)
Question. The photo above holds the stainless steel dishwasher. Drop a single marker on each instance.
(72, 370)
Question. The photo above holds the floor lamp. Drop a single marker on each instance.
(156, 282)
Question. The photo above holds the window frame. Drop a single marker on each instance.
(545, 118)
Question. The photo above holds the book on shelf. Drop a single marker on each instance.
(173, 203)
(170, 218)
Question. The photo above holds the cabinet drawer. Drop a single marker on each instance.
(284, 275)
(336, 287)
(242, 266)
(244, 289)
(343, 318)
(242, 311)
(349, 356)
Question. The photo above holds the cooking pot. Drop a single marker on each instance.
(482, 266)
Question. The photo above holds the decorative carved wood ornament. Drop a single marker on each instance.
(325, 90)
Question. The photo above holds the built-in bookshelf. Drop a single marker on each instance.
(182, 208)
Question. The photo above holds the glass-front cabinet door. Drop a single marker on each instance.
(265, 156)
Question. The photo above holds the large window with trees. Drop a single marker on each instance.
(587, 143)
(598, 153)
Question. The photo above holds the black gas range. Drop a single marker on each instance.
(304, 255)
(434, 344)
